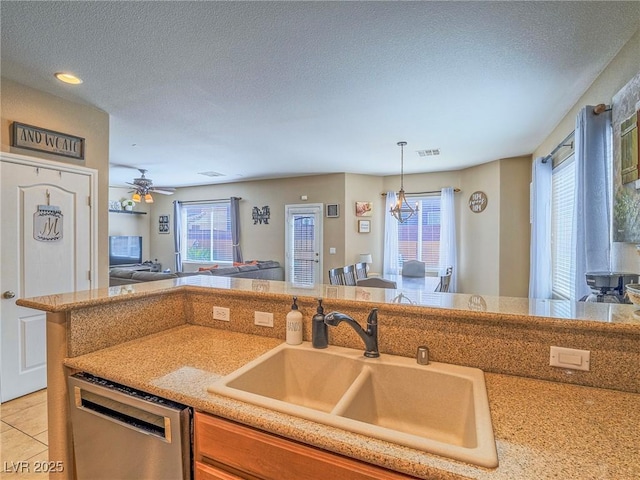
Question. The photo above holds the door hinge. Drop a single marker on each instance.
(89, 275)
(89, 200)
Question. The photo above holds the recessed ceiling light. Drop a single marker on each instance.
(211, 174)
(68, 78)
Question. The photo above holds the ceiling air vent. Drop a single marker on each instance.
(211, 174)
(428, 153)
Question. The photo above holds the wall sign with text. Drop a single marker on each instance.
(478, 202)
(47, 223)
(48, 141)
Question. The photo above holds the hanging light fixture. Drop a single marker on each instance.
(136, 197)
(402, 211)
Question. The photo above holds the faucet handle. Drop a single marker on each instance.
(372, 319)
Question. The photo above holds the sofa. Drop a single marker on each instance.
(261, 269)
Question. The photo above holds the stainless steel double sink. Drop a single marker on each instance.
(437, 408)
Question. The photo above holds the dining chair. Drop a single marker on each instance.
(413, 268)
(377, 282)
(445, 280)
(336, 276)
(361, 270)
(349, 275)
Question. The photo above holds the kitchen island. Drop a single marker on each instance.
(161, 339)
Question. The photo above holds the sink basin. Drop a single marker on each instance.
(418, 402)
(437, 408)
(308, 378)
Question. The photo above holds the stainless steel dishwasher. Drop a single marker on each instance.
(121, 433)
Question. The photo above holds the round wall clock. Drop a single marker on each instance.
(478, 202)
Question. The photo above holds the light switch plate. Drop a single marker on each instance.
(263, 319)
(570, 358)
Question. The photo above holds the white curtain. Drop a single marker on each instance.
(593, 196)
(540, 281)
(448, 255)
(390, 264)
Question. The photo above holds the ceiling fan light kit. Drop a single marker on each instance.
(144, 187)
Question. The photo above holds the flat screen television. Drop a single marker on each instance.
(125, 250)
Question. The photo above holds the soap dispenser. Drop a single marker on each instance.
(319, 329)
(294, 324)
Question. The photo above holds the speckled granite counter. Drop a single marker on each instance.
(548, 422)
(605, 314)
(542, 429)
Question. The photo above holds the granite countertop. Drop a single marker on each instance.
(542, 429)
(607, 316)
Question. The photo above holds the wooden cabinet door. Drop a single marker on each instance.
(265, 456)
(209, 472)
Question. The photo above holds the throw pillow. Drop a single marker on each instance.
(204, 269)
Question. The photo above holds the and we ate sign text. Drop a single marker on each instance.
(43, 140)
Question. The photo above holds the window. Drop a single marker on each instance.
(419, 237)
(206, 232)
(563, 182)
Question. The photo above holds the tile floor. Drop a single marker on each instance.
(23, 436)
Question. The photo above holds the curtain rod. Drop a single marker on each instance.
(597, 110)
(213, 200)
(563, 143)
(430, 192)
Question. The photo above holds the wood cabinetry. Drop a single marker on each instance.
(225, 450)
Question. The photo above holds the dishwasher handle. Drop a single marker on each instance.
(135, 418)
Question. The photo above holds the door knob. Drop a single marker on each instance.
(8, 294)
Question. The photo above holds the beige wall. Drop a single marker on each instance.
(479, 255)
(364, 188)
(260, 241)
(26, 105)
(515, 229)
(493, 246)
(489, 261)
(132, 224)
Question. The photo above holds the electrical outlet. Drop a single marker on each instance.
(263, 319)
(221, 313)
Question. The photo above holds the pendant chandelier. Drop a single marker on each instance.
(402, 211)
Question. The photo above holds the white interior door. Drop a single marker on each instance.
(303, 239)
(46, 240)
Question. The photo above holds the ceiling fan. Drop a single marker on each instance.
(144, 187)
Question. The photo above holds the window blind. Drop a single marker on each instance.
(419, 237)
(563, 182)
(207, 232)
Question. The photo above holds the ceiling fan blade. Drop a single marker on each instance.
(163, 190)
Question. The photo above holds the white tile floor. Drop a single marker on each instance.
(23, 436)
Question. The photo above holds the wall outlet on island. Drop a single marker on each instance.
(221, 313)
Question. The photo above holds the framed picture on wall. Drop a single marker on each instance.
(364, 209)
(163, 224)
(364, 226)
(333, 210)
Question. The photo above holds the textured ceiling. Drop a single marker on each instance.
(272, 89)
